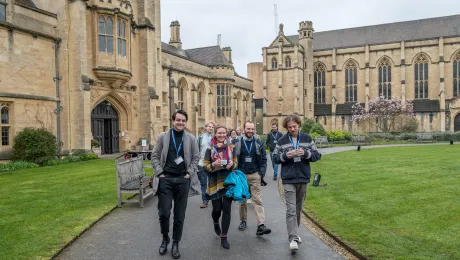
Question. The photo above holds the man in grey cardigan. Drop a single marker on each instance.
(174, 160)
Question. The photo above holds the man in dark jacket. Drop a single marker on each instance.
(252, 160)
(272, 140)
(294, 151)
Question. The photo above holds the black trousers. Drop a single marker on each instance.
(222, 206)
(169, 190)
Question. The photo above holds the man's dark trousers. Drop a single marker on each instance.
(169, 189)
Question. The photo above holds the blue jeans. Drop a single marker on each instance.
(203, 177)
(275, 166)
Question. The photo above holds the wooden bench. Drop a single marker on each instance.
(131, 179)
(321, 141)
(360, 140)
(425, 137)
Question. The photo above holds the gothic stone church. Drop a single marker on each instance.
(322, 74)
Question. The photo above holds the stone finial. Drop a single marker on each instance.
(281, 31)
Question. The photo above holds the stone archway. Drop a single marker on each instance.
(105, 127)
(457, 123)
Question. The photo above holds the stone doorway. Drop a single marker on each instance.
(457, 123)
(104, 126)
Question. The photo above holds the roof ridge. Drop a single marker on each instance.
(203, 47)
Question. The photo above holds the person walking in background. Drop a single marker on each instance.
(294, 151)
(219, 161)
(203, 143)
(174, 159)
(252, 160)
(238, 131)
(234, 136)
(272, 140)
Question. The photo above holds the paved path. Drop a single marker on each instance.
(134, 233)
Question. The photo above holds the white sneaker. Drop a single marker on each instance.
(299, 240)
(293, 245)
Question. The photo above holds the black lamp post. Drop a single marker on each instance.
(170, 96)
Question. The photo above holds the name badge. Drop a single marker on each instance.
(223, 162)
(179, 160)
(275, 142)
(248, 159)
(297, 159)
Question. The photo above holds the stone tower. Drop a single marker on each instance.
(175, 35)
(306, 43)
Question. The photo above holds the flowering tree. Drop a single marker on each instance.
(384, 113)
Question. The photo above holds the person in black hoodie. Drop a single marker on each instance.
(272, 140)
(294, 151)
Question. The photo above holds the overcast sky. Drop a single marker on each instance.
(249, 25)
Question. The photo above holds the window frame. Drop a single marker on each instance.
(351, 82)
(121, 37)
(105, 35)
(421, 72)
(274, 63)
(5, 126)
(3, 5)
(200, 102)
(287, 62)
(223, 101)
(456, 75)
(319, 89)
(180, 97)
(384, 78)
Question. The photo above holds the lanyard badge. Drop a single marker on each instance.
(178, 159)
(248, 159)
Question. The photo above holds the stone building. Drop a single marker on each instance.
(322, 74)
(97, 69)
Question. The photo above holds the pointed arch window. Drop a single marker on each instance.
(320, 84)
(121, 38)
(287, 62)
(456, 70)
(385, 78)
(5, 124)
(351, 82)
(105, 29)
(200, 102)
(180, 100)
(223, 101)
(274, 63)
(421, 77)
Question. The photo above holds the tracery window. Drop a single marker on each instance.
(274, 63)
(385, 79)
(456, 69)
(105, 28)
(180, 100)
(351, 82)
(200, 102)
(287, 62)
(121, 38)
(320, 84)
(223, 101)
(421, 77)
(5, 123)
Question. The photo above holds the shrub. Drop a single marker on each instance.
(263, 139)
(95, 143)
(407, 136)
(17, 165)
(307, 125)
(78, 152)
(347, 136)
(410, 126)
(335, 135)
(89, 156)
(446, 136)
(34, 144)
(382, 136)
(319, 129)
(314, 135)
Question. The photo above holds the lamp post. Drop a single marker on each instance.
(170, 96)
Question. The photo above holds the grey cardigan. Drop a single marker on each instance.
(191, 158)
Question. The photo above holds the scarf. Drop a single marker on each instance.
(220, 148)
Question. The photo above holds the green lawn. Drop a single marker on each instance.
(42, 209)
(391, 203)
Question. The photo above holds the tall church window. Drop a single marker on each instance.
(223, 101)
(385, 79)
(320, 84)
(200, 102)
(287, 62)
(456, 74)
(274, 63)
(3, 10)
(121, 38)
(351, 82)
(180, 100)
(421, 77)
(105, 28)
(5, 124)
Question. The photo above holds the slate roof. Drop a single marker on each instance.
(386, 33)
(323, 109)
(29, 3)
(210, 56)
(426, 105)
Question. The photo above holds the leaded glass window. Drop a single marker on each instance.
(121, 38)
(105, 30)
(421, 77)
(223, 101)
(385, 78)
(456, 71)
(3, 10)
(275, 63)
(351, 82)
(320, 84)
(287, 62)
(200, 102)
(180, 101)
(5, 123)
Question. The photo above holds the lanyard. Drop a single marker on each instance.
(215, 150)
(250, 147)
(274, 136)
(296, 146)
(174, 141)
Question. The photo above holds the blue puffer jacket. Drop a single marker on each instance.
(237, 186)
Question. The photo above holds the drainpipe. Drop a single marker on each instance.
(57, 79)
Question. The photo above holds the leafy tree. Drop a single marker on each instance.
(34, 145)
(307, 125)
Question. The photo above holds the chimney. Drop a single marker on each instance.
(228, 53)
(175, 35)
